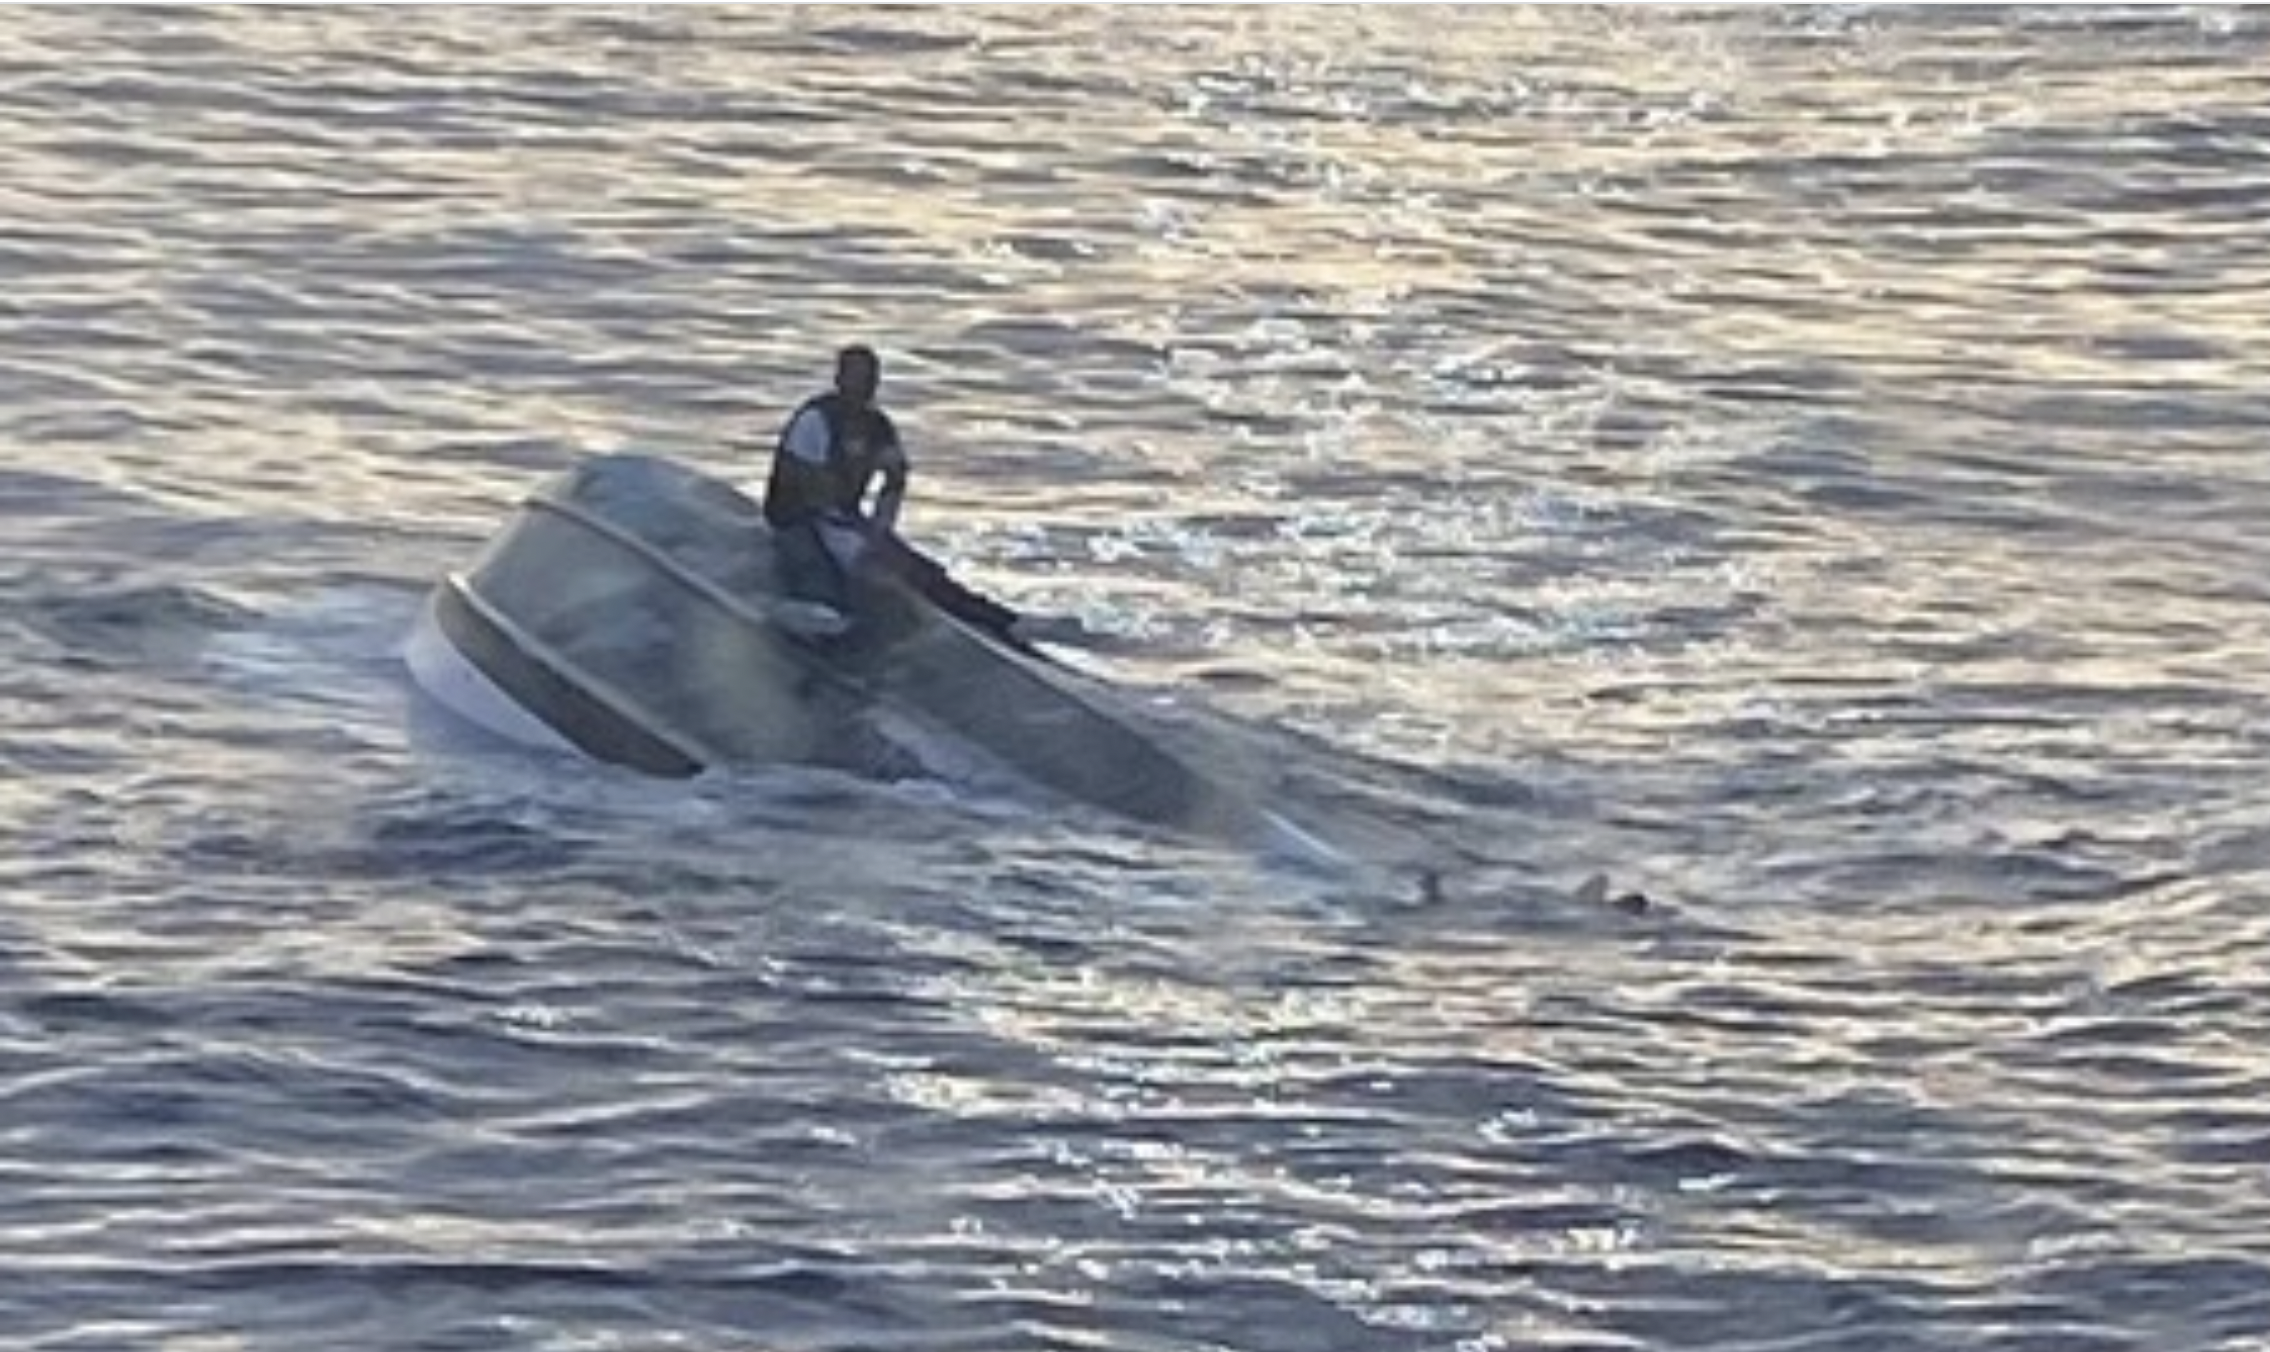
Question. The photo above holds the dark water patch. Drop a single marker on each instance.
(459, 841)
(92, 1010)
(2186, 1299)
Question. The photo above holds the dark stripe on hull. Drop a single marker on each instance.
(597, 729)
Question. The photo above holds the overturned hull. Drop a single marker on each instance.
(629, 610)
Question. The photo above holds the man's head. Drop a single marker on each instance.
(858, 374)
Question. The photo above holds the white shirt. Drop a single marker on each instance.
(807, 440)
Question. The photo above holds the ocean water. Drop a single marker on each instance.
(1766, 503)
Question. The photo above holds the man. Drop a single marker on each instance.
(830, 452)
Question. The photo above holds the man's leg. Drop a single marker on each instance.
(929, 577)
(807, 569)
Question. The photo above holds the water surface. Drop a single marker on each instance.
(1801, 464)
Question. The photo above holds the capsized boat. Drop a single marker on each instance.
(629, 610)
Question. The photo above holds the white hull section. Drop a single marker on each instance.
(445, 675)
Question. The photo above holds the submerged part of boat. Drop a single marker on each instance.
(629, 610)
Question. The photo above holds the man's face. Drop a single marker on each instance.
(859, 382)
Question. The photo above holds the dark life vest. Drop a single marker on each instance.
(798, 490)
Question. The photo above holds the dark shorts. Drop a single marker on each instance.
(806, 568)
